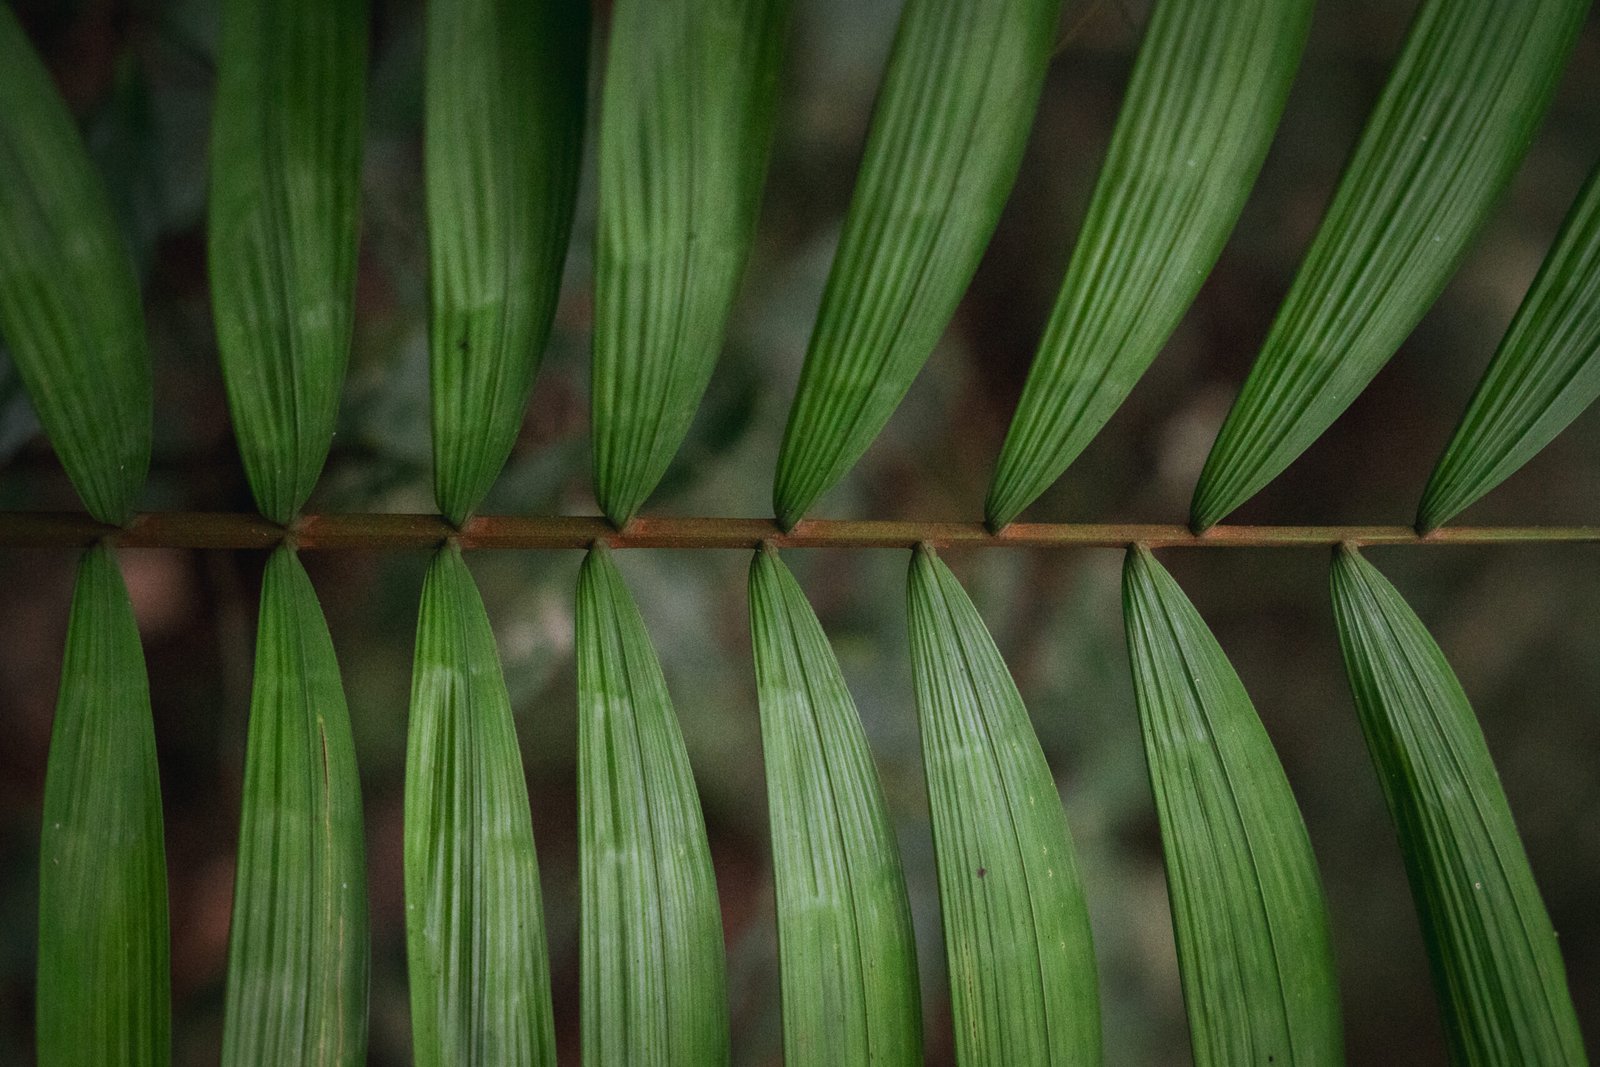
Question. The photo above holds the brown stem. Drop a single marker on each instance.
(374, 532)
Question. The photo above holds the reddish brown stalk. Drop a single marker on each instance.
(373, 532)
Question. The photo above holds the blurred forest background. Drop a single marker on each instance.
(1520, 624)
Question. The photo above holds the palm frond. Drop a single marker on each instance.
(506, 81)
(69, 301)
(283, 216)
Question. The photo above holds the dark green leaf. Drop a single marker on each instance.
(1023, 987)
(103, 990)
(850, 992)
(69, 300)
(946, 139)
(1496, 967)
(1452, 124)
(475, 940)
(1205, 97)
(685, 125)
(1247, 905)
(297, 952)
(505, 97)
(285, 163)
(653, 988)
(1546, 371)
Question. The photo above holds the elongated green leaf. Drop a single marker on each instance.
(1023, 987)
(685, 126)
(1496, 966)
(103, 990)
(1453, 122)
(285, 162)
(69, 301)
(1206, 93)
(1547, 370)
(1247, 906)
(475, 940)
(297, 952)
(653, 986)
(850, 992)
(945, 143)
(505, 95)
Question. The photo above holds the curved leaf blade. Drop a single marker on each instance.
(69, 299)
(685, 126)
(845, 942)
(1448, 131)
(283, 216)
(297, 950)
(1204, 99)
(505, 85)
(652, 972)
(1023, 987)
(1545, 373)
(1496, 967)
(475, 937)
(103, 992)
(1251, 924)
(944, 146)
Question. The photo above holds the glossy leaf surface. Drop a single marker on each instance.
(1496, 966)
(69, 300)
(1459, 109)
(475, 935)
(1545, 373)
(845, 942)
(946, 139)
(652, 973)
(1254, 948)
(686, 121)
(1023, 987)
(284, 203)
(505, 99)
(1202, 105)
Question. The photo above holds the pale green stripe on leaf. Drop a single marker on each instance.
(944, 146)
(69, 300)
(685, 126)
(1496, 966)
(103, 991)
(285, 162)
(651, 968)
(1546, 372)
(475, 935)
(1248, 911)
(297, 950)
(1448, 131)
(1023, 987)
(505, 86)
(845, 944)
(1205, 97)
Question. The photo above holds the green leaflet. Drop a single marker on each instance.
(1496, 967)
(297, 951)
(475, 941)
(1445, 137)
(1247, 905)
(946, 139)
(285, 163)
(685, 126)
(1023, 988)
(1545, 373)
(849, 979)
(1202, 105)
(505, 98)
(653, 988)
(103, 990)
(69, 300)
